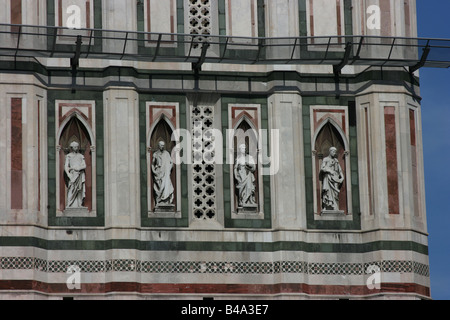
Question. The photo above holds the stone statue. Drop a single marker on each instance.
(332, 178)
(244, 170)
(162, 165)
(74, 168)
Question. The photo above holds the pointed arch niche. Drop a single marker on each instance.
(162, 120)
(75, 123)
(331, 130)
(245, 125)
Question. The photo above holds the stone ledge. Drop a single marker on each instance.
(77, 213)
(165, 214)
(247, 215)
(333, 215)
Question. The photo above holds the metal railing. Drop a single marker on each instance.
(57, 42)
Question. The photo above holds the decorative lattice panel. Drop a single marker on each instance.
(214, 267)
(200, 21)
(203, 168)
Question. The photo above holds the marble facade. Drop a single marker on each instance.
(206, 245)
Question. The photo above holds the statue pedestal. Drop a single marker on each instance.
(335, 213)
(76, 212)
(164, 211)
(248, 212)
(168, 208)
(248, 209)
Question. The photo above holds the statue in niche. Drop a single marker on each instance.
(74, 168)
(162, 166)
(244, 173)
(332, 178)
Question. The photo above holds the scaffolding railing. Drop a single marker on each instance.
(57, 42)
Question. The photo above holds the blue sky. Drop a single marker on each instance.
(433, 22)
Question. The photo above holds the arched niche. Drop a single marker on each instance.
(76, 129)
(328, 135)
(162, 130)
(245, 133)
(249, 138)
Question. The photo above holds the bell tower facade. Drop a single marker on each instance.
(177, 149)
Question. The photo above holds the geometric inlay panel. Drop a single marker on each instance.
(212, 267)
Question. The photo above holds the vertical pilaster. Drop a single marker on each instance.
(4, 164)
(119, 15)
(389, 154)
(121, 158)
(282, 20)
(288, 194)
(20, 166)
(421, 220)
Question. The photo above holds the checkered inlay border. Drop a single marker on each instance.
(209, 267)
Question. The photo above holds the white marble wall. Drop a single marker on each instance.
(325, 18)
(84, 17)
(391, 24)
(30, 92)
(160, 17)
(122, 181)
(375, 99)
(121, 16)
(282, 20)
(241, 19)
(395, 19)
(288, 193)
(34, 12)
(250, 277)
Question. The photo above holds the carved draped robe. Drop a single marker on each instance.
(74, 167)
(244, 170)
(162, 165)
(332, 178)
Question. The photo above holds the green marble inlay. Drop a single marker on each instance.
(201, 246)
(53, 220)
(144, 166)
(355, 223)
(227, 189)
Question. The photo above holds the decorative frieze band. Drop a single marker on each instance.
(213, 267)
